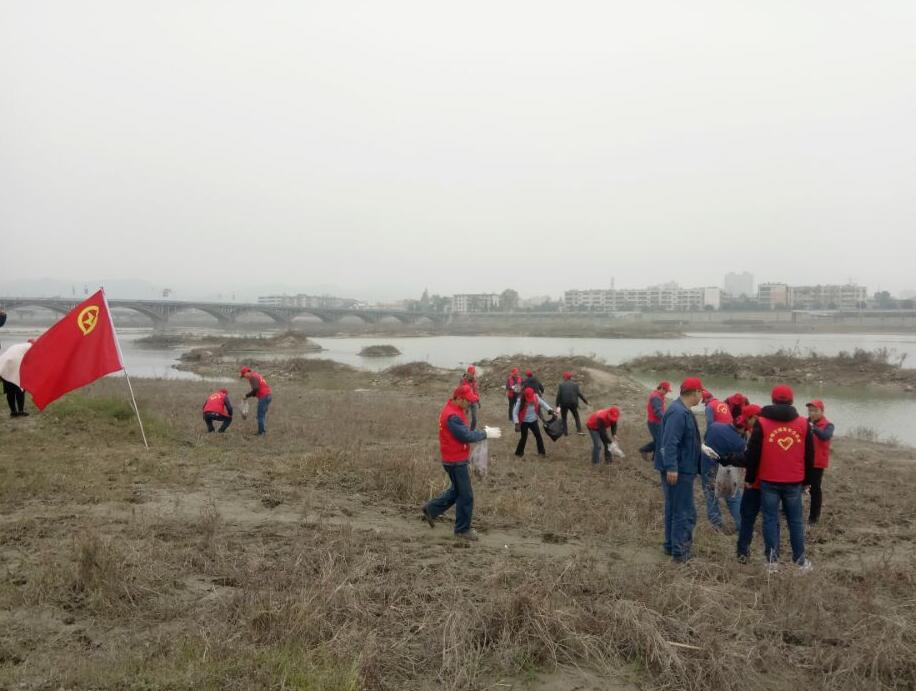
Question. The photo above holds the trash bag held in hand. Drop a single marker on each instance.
(553, 428)
(728, 481)
(480, 458)
(244, 408)
(615, 450)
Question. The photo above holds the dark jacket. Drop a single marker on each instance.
(727, 441)
(680, 441)
(534, 383)
(602, 432)
(568, 394)
(780, 412)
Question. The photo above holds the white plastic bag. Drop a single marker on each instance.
(480, 458)
(728, 481)
(615, 450)
(244, 408)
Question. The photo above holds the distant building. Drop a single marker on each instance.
(828, 297)
(739, 285)
(773, 295)
(313, 301)
(475, 302)
(667, 298)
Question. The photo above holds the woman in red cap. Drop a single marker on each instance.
(470, 379)
(455, 439)
(526, 415)
(598, 424)
(513, 389)
(655, 411)
(822, 431)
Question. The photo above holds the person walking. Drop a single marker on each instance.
(470, 379)
(526, 416)
(455, 438)
(780, 453)
(822, 431)
(513, 389)
(599, 424)
(218, 408)
(568, 395)
(678, 465)
(260, 390)
(655, 411)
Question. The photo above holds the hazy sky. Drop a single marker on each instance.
(383, 147)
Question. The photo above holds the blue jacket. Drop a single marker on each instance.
(462, 432)
(728, 442)
(680, 441)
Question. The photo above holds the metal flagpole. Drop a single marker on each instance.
(130, 387)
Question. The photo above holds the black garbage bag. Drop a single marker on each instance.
(553, 427)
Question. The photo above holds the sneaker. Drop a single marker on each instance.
(743, 559)
(646, 456)
(772, 567)
(581, 434)
(23, 413)
(805, 566)
(428, 517)
(468, 535)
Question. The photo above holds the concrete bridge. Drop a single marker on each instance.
(159, 311)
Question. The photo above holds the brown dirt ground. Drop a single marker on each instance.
(298, 561)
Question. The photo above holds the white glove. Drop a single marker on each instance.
(710, 452)
(493, 432)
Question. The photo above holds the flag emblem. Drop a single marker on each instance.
(87, 319)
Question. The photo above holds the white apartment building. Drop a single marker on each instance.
(830, 297)
(475, 302)
(654, 299)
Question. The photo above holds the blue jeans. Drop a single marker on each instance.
(263, 404)
(790, 497)
(597, 448)
(210, 418)
(680, 515)
(655, 429)
(460, 494)
(710, 468)
(750, 507)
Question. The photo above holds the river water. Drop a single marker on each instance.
(889, 415)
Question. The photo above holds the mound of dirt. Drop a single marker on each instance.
(379, 351)
(549, 370)
(418, 373)
(860, 368)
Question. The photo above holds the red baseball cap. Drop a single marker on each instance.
(613, 413)
(707, 395)
(471, 369)
(465, 392)
(750, 410)
(664, 385)
(567, 375)
(515, 370)
(782, 393)
(816, 403)
(528, 372)
(244, 371)
(691, 384)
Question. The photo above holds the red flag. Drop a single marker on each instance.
(74, 352)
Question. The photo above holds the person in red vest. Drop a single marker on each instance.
(655, 411)
(260, 390)
(218, 408)
(513, 389)
(526, 416)
(455, 439)
(470, 378)
(780, 453)
(822, 431)
(598, 424)
(716, 410)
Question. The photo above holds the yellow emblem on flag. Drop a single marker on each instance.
(88, 319)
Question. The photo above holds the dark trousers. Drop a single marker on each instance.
(511, 406)
(574, 409)
(597, 447)
(750, 509)
(536, 431)
(680, 515)
(15, 397)
(459, 493)
(655, 429)
(210, 418)
(817, 474)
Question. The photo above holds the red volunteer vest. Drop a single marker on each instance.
(821, 447)
(602, 416)
(511, 382)
(216, 403)
(263, 386)
(650, 413)
(452, 450)
(782, 453)
(721, 412)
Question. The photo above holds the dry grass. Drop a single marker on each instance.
(297, 561)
